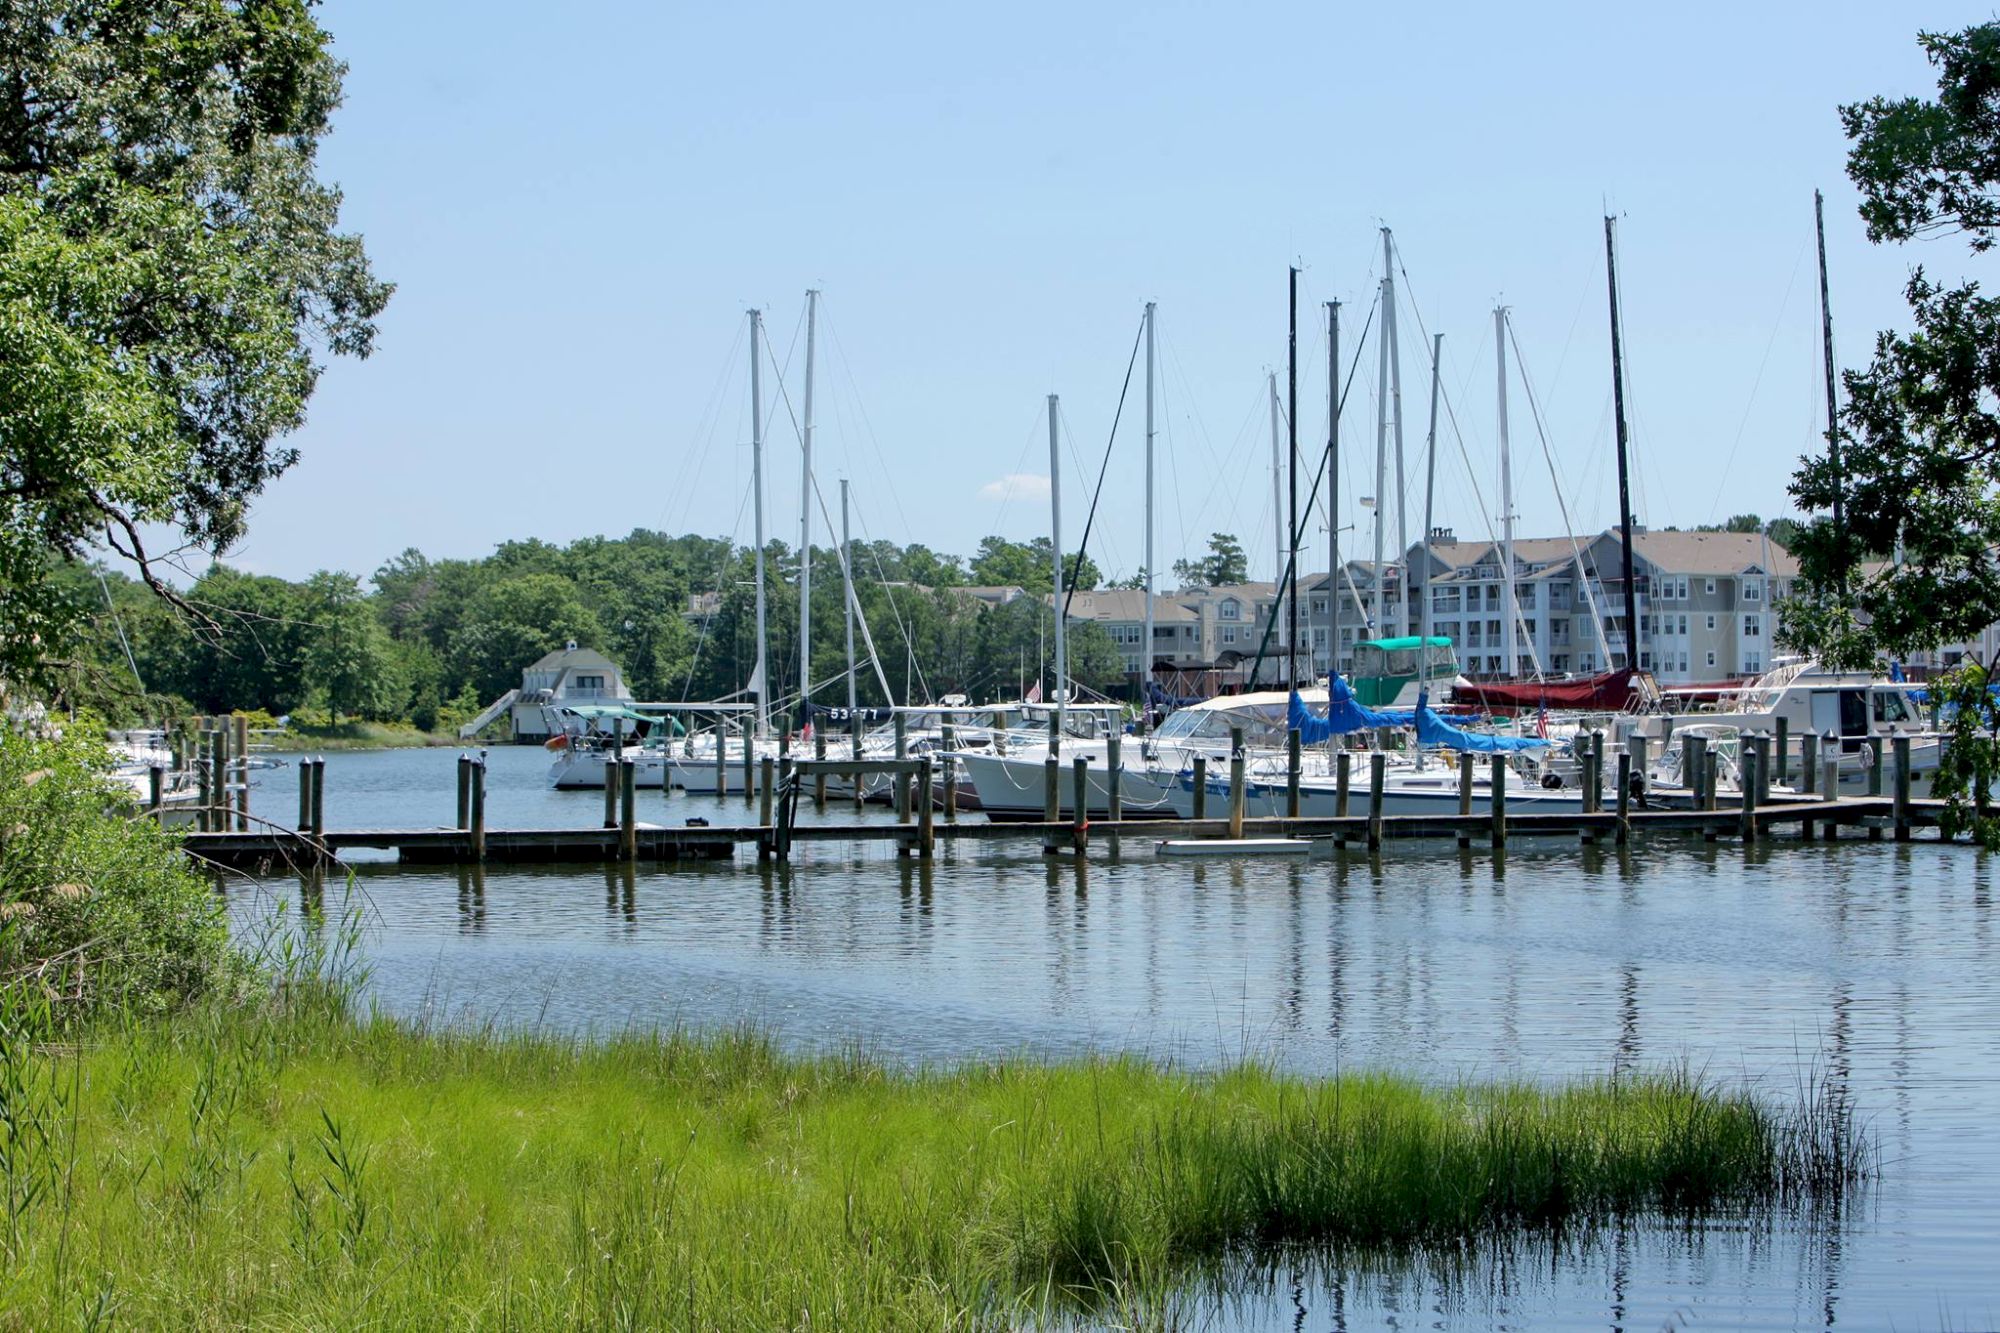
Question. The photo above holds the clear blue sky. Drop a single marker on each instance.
(578, 205)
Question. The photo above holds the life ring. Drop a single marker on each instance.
(556, 743)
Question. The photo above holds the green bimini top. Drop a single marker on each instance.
(1408, 641)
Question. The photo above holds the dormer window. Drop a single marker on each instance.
(1230, 609)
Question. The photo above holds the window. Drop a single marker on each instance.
(590, 682)
(1229, 634)
(1711, 626)
(1645, 661)
(1683, 589)
(1525, 595)
(1529, 624)
(1230, 609)
(1493, 629)
(1709, 587)
(1684, 624)
(1560, 662)
(1589, 663)
(1753, 591)
(1319, 606)
(1711, 657)
(1753, 627)
(1752, 662)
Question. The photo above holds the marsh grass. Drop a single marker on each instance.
(292, 1163)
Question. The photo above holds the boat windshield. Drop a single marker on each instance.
(1263, 724)
(1400, 657)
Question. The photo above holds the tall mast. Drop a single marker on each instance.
(847, 593)
(1333, 491)
(1511, 608)
(1430, 511)
(1832, 401)
(1624, 474)
(805, 516)
(759, 675)
(1146, 650)
(1380, 619)
(1277, 495)
(1396, 411)
(1055, 532)
(1291, 568)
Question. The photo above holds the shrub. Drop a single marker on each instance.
(97, 907)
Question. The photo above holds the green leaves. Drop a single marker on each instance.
(170, 274)
(1915, 566)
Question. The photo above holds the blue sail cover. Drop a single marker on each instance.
(1343, 715)
(1434, 730)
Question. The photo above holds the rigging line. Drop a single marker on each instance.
(1784, 304)
(847, 582)
(1083, 545)
(1319, 476)
(1020, 461)
(119, 621)
(889, 592)
(867, 423)
(694, 662)
(1576, 552)
(712, 414)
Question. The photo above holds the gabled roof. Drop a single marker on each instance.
(573, 657)
(1711, 553)
(1124, 604)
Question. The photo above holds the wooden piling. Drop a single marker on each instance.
(926, 828)
(611, 775)
(1051, 798)
(319, 792)
(1750, 762)
(1829, 783)
(218, 780)
(1710, 775)
(1000, 733)
(628, 810)
(721, 759)
(1343, 778)
(1378, 769)
(1292, 773)
(1641, 753)
(1465, 771)
(1694, 769)
(1808, 761)
(902, 780)
(1498, 778)
(767, 772)
(1236, 782)
(464, 794)
(478, 808)
(749, 772)
(241, 741)
(950, 774)
(306, 793)
(1624, 834)
(1874, 779)
(1781, 770)
(1901, 791)
(1201, 786)
(819, 780)
(1079, 819)
(1114, 796)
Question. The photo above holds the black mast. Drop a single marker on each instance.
(1292, 471)
(1832, 403)
(1624, 473)
(1333, 495)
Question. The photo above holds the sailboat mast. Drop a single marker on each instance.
(1396, 412)
(759, 674)
(1333, 483)
(1378, 622)
(1832, 400)
(847, 593)
(1277, 493)
(1511, 608)
(1624, 471)
(1430, 512)
(1056, 550)
(1291, 569)
(1146, 650)
(805, 515)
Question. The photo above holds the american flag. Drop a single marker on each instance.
(1034, 695)
(1542, 719)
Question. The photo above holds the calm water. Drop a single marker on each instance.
(1873, 964)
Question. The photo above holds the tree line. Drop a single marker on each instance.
(429, 642)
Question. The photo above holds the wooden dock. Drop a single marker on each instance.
(919, 828)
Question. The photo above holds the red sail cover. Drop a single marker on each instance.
(1610, 692)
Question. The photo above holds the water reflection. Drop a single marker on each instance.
(1869, 965)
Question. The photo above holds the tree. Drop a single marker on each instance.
(348, 658)
(1920, 458)
(1027, 565)
(512, 623)
(171, 276)
(1224, 564)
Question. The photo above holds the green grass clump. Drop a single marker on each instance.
(292, 1165)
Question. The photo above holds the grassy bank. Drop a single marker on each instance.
(296, 1166)
(358, 735)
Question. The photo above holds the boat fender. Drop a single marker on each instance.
(556, 743)
(1552, 781)
(697, 822)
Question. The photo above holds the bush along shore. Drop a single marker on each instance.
(240, 1144)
